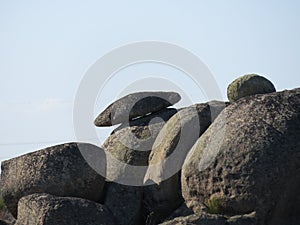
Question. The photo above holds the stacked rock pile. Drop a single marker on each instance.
(210, 163)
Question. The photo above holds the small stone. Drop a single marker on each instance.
(248, 85)
(129, 146)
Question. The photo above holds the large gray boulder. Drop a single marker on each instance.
(248, 160)
(160, 200)
(135, 105)
(59, 170)
(176, 137)
(157, 117)
(125, 203)
(248, 85)
(44, 209)
(181, 211)
(128, 148)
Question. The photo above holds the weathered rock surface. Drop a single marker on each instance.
(157, 117)
(160, 200)
(177, 137)
(135, 105)
(249, 159)
(6, 217)
(44, 209)
(128, 148)
(243, 170)
(247, 219)
(181, 211)
(194, 219)
(248, 85)
(125, 203)
(59, 170)
(209, 219)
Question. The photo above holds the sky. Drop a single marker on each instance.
(47, 47)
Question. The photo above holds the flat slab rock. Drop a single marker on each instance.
(44, 209)
(60, 170)
(135, 105)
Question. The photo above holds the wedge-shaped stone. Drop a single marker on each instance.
(135, 105)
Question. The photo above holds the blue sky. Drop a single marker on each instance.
(47, 46)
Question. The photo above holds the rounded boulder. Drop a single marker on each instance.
(248, 85)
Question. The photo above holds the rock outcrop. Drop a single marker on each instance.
(44, 209)
(135, 105)
(59, 170)
(248, 85)
(241, 165)
(248, 160)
